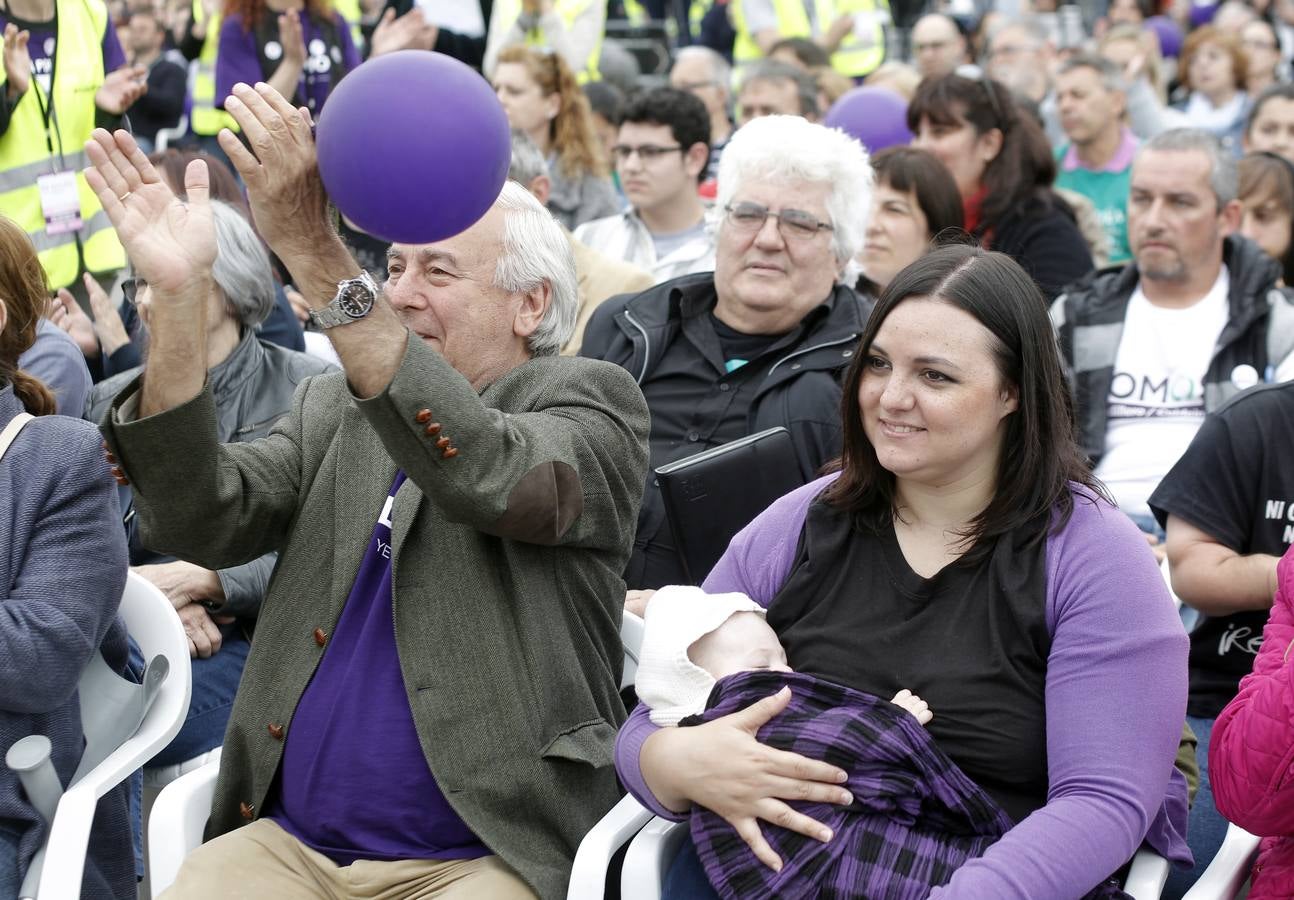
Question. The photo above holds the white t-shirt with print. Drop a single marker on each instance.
(1156, 399)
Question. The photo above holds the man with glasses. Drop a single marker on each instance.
(938, 45)
(706, 75)
(661, 154)
(764, 340)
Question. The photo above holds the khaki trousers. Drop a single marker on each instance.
(261, 860)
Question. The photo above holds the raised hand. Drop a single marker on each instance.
(293, 40)
(171, 244)
(67, 315)
(17, 61)
(409, 32)
(120, 89)
(280, 170)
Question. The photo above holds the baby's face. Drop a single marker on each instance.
(745, 641)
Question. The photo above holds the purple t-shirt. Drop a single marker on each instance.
(44, 39)
(354, 783)
(238, 59)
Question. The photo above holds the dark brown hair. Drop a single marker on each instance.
(1270, 175)
(909, 170)
(1019, 177)
(25, 298)
(171, 163)
(1039, 455)
(253, 10)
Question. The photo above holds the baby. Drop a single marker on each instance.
(692, 639)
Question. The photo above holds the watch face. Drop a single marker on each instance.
(356, 300)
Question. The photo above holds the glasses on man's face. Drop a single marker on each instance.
(792, 223)
(648, 153)
(133, 287)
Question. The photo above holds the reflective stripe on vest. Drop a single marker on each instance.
(569, 11)
(854, 58)
(204, 118)
(25, 149)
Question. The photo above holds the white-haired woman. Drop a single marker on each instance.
(253, 382)
(764, 339)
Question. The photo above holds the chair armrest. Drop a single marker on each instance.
(649, 858)
(177, 822)
(1146, 876)
(613, 831)
(1229, 869)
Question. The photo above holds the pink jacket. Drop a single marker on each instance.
(1251, 753)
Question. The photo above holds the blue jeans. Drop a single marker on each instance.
(686, 879)
(10, 880)
(1206, 827)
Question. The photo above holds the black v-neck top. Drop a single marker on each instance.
(972, 641)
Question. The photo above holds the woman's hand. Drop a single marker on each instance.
(120, 89)
(292, 39)
(409, 32)
(68, 315)
(17, 61)
(170, 244)
(108, 326)
(721, 766)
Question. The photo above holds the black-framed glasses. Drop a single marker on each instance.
(792, 223)
(132, 287)
(647, 152)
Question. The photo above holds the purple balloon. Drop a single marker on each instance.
(413, 147)
(1170, 36)
(876, 116)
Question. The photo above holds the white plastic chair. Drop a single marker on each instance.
(1230, 868)
(152, 621)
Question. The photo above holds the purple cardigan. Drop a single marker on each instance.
(1115, 695)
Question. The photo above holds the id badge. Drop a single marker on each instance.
(60, 202)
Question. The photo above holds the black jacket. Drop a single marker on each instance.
(1043, 237)
(1089, 323)
(801, 390)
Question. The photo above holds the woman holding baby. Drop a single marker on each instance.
(964, 552)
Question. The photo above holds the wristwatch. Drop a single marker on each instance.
(354, 300)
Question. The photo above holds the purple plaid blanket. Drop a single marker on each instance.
(916, 817)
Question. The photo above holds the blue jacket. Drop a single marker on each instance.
(62, 571)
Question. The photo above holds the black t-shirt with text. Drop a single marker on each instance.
(1235, 483)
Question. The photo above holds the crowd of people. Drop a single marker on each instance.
(1032, 343)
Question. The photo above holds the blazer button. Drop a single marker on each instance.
(449, 453)
(433, 429)
(423, 416)
(276, 731)
(321, 637)
(442, 443)
(247, 810)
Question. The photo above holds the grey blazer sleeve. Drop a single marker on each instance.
(567, 471)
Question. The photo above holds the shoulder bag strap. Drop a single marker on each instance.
(11, 430)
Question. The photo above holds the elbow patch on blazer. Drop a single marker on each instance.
(543, 504)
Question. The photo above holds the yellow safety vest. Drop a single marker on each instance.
(569, 10)
(637, 15)
(349, 10)
(204, 118)
(28, 150)
(854, 58)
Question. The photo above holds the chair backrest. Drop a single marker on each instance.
(152, 622)
(631, 635)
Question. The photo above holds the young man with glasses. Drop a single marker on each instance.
(662, 152)
(764, 340)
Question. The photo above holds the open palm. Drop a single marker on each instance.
(171, 244)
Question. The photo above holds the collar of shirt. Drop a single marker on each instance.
(1119, 162)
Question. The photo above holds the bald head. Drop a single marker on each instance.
(937, 45)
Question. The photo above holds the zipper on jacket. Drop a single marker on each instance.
(845, 340)
(629, 317)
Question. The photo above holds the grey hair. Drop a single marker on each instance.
(242, 267)
(776, 70)
(1034, 28)
(789, 148)
(1111, 77)
(1224, 171)
(527, 162)
(536, 251)
(720, 69)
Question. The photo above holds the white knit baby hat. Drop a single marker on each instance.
(671, 685)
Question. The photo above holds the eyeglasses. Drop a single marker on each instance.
(979, 75)
(647, 152)
(131, 288)
(792, 223)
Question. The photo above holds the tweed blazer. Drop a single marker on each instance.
(506, 568)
